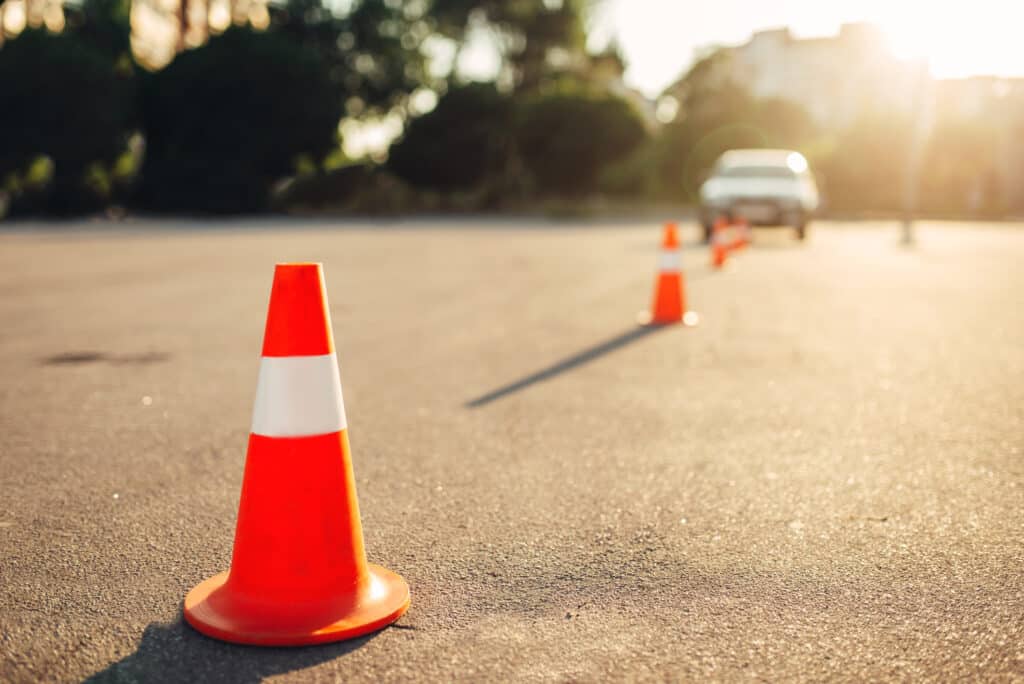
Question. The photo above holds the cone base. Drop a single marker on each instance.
(213, 609)
(689, 319)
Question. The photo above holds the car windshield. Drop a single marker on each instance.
(757, 172)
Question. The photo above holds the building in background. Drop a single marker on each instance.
(854, 75)
(835, 78)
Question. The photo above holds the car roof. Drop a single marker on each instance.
(756, 157)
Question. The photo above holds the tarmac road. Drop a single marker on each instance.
(823, 481)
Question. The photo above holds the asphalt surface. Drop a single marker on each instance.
(823, 481)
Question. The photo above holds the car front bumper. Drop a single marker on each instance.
(759, 212)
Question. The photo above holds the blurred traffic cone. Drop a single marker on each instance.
(719, 242)
(741, 234)
(298, 573)
(670, 289)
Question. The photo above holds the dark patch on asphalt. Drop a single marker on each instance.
(141, 359)
(73, 358)
(77, 358)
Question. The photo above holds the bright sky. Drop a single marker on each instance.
(659, 37)
(959, 38)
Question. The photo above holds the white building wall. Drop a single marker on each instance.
(836, 79)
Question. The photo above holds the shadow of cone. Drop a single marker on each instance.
(298, 573)
(669, 305)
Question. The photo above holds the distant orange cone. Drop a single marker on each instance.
(719, 242)
(669, 304)
(741, 234)
(298, 573)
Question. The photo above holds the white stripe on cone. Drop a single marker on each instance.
(670, 261)
(298, 396)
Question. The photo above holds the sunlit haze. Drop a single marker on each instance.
(659, 37)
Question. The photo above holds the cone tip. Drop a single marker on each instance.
(296, 266)
(671, 236)
(298, 322)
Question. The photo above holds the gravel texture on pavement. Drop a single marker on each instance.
(824, 480)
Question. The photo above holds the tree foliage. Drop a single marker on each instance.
(105, 25)
(568, 138)
(223, 123)
(75, 126)
(462, 142)
(227, 120)
(373, 51)
(528, 33)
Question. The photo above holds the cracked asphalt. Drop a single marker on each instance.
(824, 480)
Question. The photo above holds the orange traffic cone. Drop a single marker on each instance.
(298, 573)
(741, 236)
(669, 304)
(719, 242)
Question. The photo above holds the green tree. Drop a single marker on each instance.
(227, 120)
(533, 36)
(372, 51)
(64, 136)
(567, 139)
(105, 25)
(460, 144)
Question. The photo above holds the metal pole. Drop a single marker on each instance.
(919, 135)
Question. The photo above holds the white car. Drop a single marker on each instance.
(765, 187)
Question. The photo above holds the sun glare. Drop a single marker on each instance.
(957, 39)
(916, 33)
